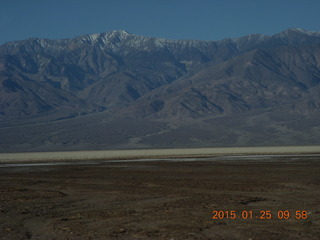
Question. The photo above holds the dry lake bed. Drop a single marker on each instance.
(239, 194)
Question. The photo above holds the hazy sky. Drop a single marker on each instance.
(174, 19)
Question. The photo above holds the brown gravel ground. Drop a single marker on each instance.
(161, 200)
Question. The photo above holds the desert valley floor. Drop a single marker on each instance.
(163, 199)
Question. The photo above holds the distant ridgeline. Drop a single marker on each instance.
(118, 90)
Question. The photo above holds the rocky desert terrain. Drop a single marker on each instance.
(164, 199)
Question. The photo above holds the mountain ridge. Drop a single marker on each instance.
(123, 80)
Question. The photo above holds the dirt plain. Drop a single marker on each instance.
(162, 199)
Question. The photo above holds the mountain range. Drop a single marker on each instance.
(118, 90)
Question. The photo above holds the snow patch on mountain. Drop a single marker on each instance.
(303, 31)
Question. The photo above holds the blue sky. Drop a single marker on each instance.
(173, 19)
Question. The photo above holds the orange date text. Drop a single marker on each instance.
(261, 215)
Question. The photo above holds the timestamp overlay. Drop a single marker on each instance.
(260, 214)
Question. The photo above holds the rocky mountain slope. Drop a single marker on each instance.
(120, 90)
